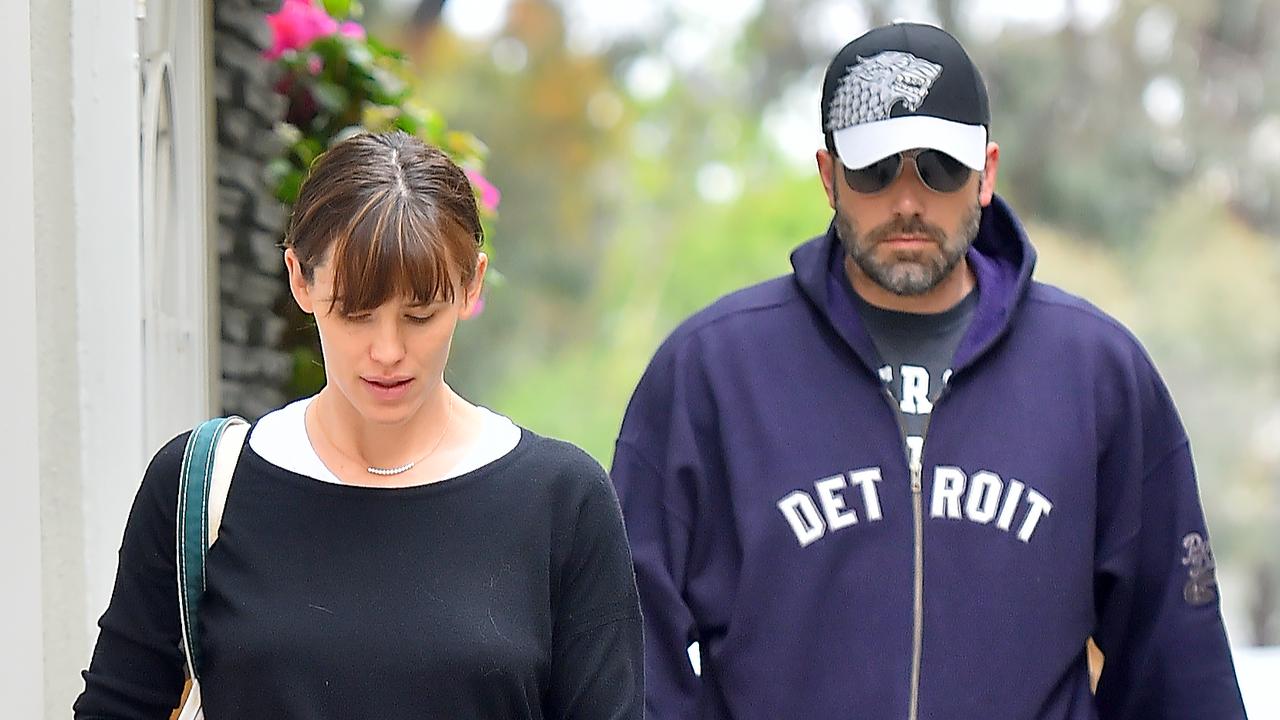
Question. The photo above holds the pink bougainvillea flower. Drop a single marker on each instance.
(296, 25)
(352, 30)
(490, 196)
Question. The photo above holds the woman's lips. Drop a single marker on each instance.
(387, 388)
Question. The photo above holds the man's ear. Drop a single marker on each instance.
(987, 185)
(472, 301)
(298, 284)
(827, 171)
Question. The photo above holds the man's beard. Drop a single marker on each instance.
(908, 274)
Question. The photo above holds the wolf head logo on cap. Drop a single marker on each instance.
(870, 89)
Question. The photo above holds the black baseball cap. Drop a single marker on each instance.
(905, 86)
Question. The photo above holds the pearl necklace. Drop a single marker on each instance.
(384, 472)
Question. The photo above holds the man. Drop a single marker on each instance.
(907, 481)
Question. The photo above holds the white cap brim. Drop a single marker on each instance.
(863, 144)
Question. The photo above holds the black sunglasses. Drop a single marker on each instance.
(937, 170)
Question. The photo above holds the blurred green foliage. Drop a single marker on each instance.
(646, 288)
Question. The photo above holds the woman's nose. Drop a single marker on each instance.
(388, 345)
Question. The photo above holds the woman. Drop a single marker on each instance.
(388, 549)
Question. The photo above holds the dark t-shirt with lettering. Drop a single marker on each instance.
(916, 351)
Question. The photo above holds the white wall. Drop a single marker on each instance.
(61, 510)
(104, 107)
(176, 253)
(20, 609)
(77, 432)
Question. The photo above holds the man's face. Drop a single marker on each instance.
(907, 238)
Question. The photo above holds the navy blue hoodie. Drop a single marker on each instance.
(774, 519)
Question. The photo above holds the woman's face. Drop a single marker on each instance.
(388, 361)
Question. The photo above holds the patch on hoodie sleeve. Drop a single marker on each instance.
(1201, 587)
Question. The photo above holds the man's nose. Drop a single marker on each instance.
(907, 194)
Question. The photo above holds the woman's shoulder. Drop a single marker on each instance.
(161, 479)
(166, 464)
(156, 500)
(561, 468)
(581, 504)
(549, 454)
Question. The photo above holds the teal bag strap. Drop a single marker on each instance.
(207, 465)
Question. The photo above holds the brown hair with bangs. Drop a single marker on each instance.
(394, 215)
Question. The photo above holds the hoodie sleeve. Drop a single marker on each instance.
(1159, 623)
(683, 548)
(659, 543)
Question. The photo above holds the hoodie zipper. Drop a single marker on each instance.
(917, 634)
(916, 467)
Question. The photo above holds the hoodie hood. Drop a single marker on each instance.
(1002, 259)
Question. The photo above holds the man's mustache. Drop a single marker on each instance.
(911, 226)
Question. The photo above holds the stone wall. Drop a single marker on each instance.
(250, 220)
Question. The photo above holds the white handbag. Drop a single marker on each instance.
(207, 465)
